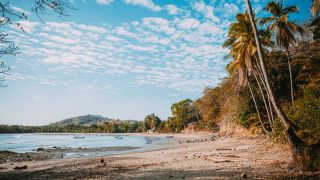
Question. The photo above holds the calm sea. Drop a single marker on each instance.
(30, 142)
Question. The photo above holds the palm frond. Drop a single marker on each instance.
(295, 28)
(290, 9)
(315, 9)
(274, 8)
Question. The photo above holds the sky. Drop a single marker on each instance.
(117, 58)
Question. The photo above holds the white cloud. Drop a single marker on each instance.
(59, 39)
(104, 2)
(144, 3)
(20, 10)
(172, 9)
(94, 29)
(205, 10)
(158, 25)
(189, 23)
(27, 26)
(182, 53)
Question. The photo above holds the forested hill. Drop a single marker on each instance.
(85, 120)
(80, 124)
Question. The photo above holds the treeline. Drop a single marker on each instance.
(106, 127)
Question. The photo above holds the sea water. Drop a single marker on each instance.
(22, 143)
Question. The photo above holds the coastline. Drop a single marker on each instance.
(56, 152)
(189, 156)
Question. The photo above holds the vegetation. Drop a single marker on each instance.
(280, 24)
(86, 120)
(151, 122)
(81, 124)
(184, 112)
(259, 92)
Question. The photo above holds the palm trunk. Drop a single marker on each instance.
(264, 86)
(304, 155)
(280, 113)
(255, 104)
(264, 99)
(290, 74)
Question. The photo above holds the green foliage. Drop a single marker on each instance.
(111, 126)
(151, 122)
(167, 126)
(305, 113)
(278, 131)
(82, 120)
(184, 112)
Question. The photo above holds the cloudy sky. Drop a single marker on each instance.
(117, 58)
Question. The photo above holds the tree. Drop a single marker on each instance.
(9, 16)
(243, 51)
(151, 121)
(306, 156)
(315, 9)
(183, 113)
(284, 28)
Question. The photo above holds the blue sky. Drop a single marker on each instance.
(117, 58)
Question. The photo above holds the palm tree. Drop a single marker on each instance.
(315, 8)
(304, 155)
(284, 28)
(243, 50)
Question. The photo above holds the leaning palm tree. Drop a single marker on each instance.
(243, 50)
(284, 28)
(306, 156)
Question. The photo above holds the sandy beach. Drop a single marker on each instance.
(189, 156)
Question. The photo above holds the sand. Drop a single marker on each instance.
(185, 158)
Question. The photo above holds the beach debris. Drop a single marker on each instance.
(244, 175)
(222, 161)
(78, 137)
(20, 167)
(224, 149)
(40, 149)
(118, 137)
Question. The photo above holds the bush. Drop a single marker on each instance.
(305, 113)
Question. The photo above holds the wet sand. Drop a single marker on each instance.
(193, 156)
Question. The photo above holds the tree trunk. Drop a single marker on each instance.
(255, 104)
(278, 110)
(265, 88)
(264, 99)
(290, 74)
(307, 157)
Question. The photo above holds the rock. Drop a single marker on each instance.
(244, 175)
(102, 160)
(40, 149)
(21, 167)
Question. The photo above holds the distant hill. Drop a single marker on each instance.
(85, 120)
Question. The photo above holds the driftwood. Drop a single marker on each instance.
(20, 167)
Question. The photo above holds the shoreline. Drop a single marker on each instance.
(41, 153)
(190, 156)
